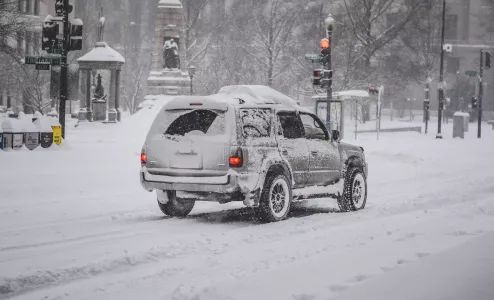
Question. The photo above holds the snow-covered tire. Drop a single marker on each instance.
(276, 198)
(175, 207)
(354, 191)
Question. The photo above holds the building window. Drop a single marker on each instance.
(453, 65)
(36, 7)
(451, 28)
(466, 20)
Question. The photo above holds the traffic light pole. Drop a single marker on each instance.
(481, 90)
(64, 89)
(329, 29)
(330, 84)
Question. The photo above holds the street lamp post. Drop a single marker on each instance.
(458, 106)
(329, 31)
(192, 72)
(441, 76)
(427, 102)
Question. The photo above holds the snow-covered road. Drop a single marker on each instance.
(75, 224)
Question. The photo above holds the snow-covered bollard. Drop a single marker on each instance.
(459, 124)
(46, 132)
(13, 135)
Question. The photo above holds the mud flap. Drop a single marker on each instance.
(162, 196)
(253, 198)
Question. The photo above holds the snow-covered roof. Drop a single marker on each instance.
(102, 53)
(350, 93)
(170, 3)
(259, 94)
(461, 114)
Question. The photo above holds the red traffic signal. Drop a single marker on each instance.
(325, 43)
(316, 79)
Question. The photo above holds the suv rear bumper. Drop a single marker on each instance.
(226, 184)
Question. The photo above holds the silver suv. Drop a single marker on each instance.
(250, 144)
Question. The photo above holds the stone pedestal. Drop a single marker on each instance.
(169, 82)
(99, 110)
(169, 24)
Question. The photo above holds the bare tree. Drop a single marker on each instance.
(367, 22)
(12, 23)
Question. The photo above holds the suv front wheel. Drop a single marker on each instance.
(276, 198)
(354, 192)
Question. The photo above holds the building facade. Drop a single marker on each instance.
(25, 42)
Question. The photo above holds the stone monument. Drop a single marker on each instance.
(168, 76)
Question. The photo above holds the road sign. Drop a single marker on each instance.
(313, 57)
(43, 66)
(32, 60)
(471, 73)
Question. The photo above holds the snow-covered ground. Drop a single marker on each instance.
(76, 224)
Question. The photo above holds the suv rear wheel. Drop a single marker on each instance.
(176, 207)
(354, 192)
(276, 198)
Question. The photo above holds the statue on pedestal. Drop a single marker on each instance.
(99, 91)
(171, 56)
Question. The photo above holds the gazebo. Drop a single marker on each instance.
(101, 57)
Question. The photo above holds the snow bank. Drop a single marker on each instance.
(12, 126)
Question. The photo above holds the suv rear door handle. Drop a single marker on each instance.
(314, 152)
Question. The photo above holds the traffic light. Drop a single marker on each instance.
(76, 29)
(487, 60)
(316, 79)
(373, 91)
(49, 39)
(59, 8)
(325, 50)
(474, 102)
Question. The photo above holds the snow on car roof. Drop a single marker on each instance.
(259, 94)
(235, 96)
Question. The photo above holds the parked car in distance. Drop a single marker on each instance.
(250, 144)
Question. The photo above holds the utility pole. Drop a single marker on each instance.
(441, 76)
(481, 90)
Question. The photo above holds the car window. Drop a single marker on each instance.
(255, 122)
(314, 129)
(196, 122)
(290, 125)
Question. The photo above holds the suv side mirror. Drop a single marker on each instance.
(336, 135)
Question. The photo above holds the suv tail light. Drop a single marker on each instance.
(144, 159)
(237, 159)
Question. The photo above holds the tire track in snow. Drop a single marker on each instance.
(182, 249)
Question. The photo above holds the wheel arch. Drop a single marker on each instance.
(354, 161)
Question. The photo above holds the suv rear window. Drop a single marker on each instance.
(199, 122)
(255, 122)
